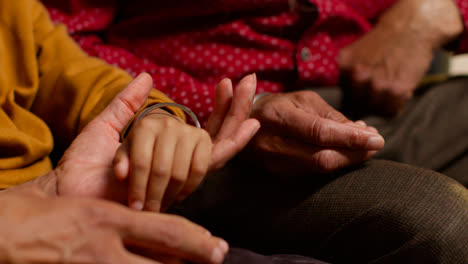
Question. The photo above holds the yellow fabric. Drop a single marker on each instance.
(49, 90)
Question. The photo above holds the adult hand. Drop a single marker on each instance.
(382, 69)
(301, 133)
(37, 228)
(169, 159)
(87, 168)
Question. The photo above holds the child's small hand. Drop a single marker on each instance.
(166, 159)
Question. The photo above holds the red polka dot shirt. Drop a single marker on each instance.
(189, 46)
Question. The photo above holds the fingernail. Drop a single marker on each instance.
(223, 245)
(227, 81)
(137, 205)
(140, 75)
(375, 143)
(217, 256)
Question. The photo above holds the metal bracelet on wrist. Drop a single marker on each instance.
(260, 96)
(162, 105)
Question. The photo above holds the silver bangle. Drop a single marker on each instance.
(260, 96)
(162, 105)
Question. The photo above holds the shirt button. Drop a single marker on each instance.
(305, 54)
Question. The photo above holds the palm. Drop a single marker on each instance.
(87, 165)
(86, 168)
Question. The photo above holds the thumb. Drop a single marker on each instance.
(124, 106)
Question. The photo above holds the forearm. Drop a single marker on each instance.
(436, 22)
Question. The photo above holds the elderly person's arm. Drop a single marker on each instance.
(382, 69)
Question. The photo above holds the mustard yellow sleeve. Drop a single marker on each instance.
(73, 87)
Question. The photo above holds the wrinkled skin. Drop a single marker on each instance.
(382, 69)
(301, 133)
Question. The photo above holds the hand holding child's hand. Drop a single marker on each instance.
(166, 159)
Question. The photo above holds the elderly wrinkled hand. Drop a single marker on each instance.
(382, 69)
(301, 133)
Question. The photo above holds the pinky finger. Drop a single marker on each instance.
(198, 170)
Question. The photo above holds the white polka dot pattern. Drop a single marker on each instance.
(285, 48)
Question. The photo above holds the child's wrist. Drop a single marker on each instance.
(162, 106)
(161, 113)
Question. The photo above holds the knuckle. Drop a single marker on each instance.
(199, 169)
(309, 98)
(186, 131)
(204, 136)
(311, 94)
(170, 123)
(335, 115)
(144, 124)
(378, 87)
(178, 179)
(153, 204)
(174, 231)
(318, 131)
(140, 165)
(326, 162)
(354, 138)
(94, 214)
(160, 123)
(207, 246)
(268, 112)
(160, 171)
(269, 144)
